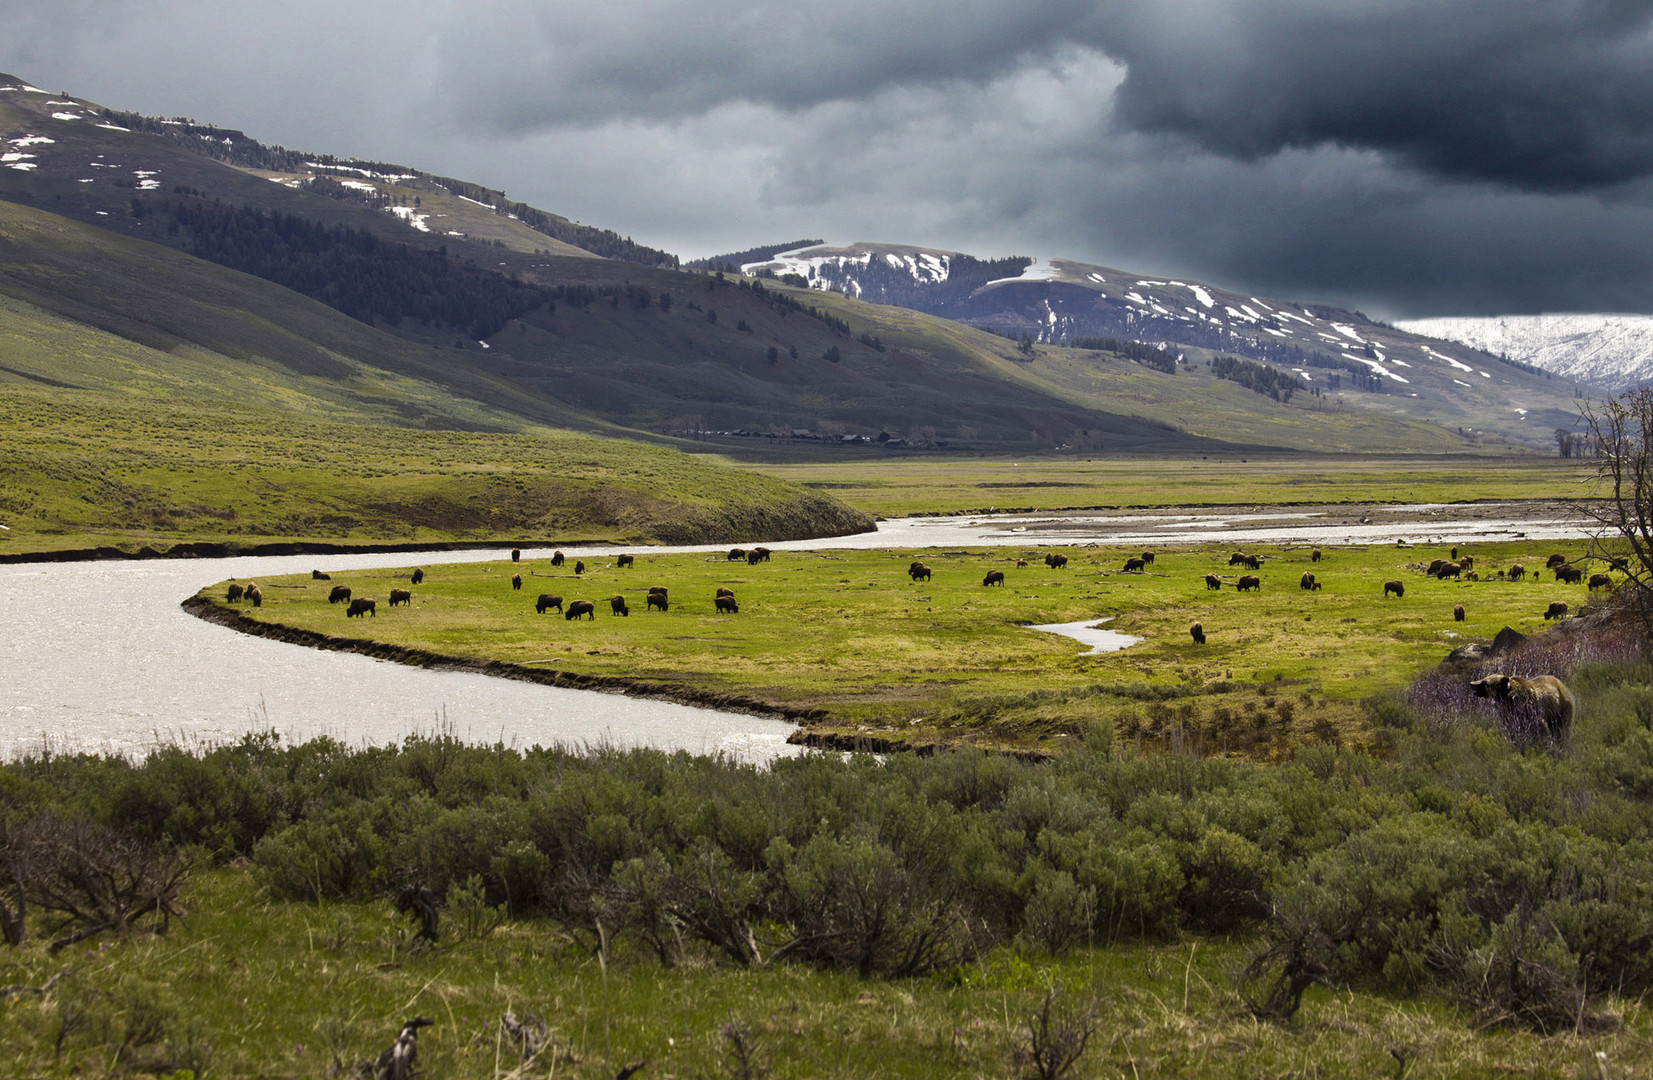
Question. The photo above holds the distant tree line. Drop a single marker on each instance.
(1270, 382)
(1147, 355)
(734, 260)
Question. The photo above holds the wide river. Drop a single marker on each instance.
(98, 655)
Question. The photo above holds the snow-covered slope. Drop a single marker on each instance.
(1611, 350)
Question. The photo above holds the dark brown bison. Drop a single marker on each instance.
(1572, 575)
(1306, 582)
(726, 604)
(1394, 586)
(1236, 558)
(994, 577)
(1467, 562)
(362, 605)
(1134, 564)
(1254, 562)
(1454, 554)
(546, 602)
(724, 590)
(317, 575)
(757, 555)
(556, 558)
(918, 571)
(1248, 582)
(1458, 613)
(1600, 581)
(516, 554)
(1517, 571)
(1212, 581)
(579, 566)
(657, 600)
(1620, 563)
(1056, 562)
(1544, 697)
(623, 561)
(1449, 570)
(577, 608)
(1435, 567)
(737, 554)
(1554, 561)
(255, 596)
(1557, 610)
(1197, 632)
(418, 576)
(1021, 564)
(1314, 556)
(617, 604)
(400, 596)
(338, 594)
(516, 582)
(1148, 557)
(233, 593)
(660, 589)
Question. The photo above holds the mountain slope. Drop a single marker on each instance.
(1613, 351)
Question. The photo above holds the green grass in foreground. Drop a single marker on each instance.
(847, 632)
(251, 987)
(898, 487)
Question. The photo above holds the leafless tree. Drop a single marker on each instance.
(1621, 432)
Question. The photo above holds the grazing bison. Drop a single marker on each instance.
(1396, 587)
(1572, 575)
(400, 596)
(617, 604)
(994, 577)
(757, 555)
(1056, 562)
(1600, 581)
(362, 605)
(1314, 556)
(1253, 562)
(917, 571)
(1458, 613)
(1435, 567)
(338, 594)
(579, 566)
(1021, 564)
(1306, 582)
(1467, 562)
(516, 554)
(1236, 558)
(516, 582)
(724, 590)
(1134, 564)
(255, 596)
(317, 575)
(1449, 570)
(726, 603)
(1544, 697)
(736, 554)
(1212, 581)
(556, 558)
(1249, 581)
(546, 602)
(233, 593)
(576, 608)
(657, 600)
(1517, 571)
(1620, 563)
(1148, 557)
(1557, 610)
(418, 576)
(1554, 561)
(1197, 632)
(624, 561)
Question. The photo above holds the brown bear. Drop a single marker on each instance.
(1545, 695)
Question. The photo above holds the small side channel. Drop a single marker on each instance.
(1091, 632)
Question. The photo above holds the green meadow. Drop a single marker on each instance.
(848, 637)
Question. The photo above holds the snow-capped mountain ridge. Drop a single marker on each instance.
(1614, 351)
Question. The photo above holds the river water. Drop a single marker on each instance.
(98, 656)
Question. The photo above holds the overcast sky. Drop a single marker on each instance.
(1407, 157)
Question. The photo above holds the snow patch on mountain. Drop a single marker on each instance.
(1612, 350)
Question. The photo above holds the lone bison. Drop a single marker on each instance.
(1517, 571)
(994, 577)
(624, 561)
(617, 604)
(1600, 581)
(1249, 582)
(1056, 562)
(1572, 575)
(1394, 586)
(317, 575)
(736, 554)
(1544, 698)
(255, 596)
(400, 596)
(1237, 558)
(516, 582)
(1148, 557)
(576, 608)
(1197, 632)
(546, 602)
(1620, 563)
(1458, 613)
(556, 558)
(1306, 582)
(1314, 556)
(1212, 581)
(1554, 561)
(724, 590)
(1557, 610)
(1134, 564)
(726, 603)
(918, 572)
(579, 566)
(418, 576)
(234, 593)
(362, 605)
(516, 554)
